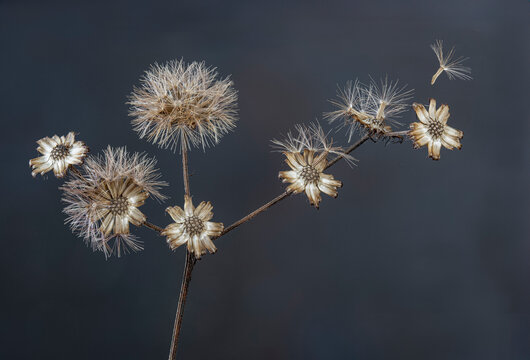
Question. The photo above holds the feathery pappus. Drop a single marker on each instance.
(372, 108)
(184, 105)
(433, 131)
(104, 197)
(192, 226)
(58, 154)
(452, 66)
(306, 153)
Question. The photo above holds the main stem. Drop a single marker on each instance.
(188, 269)
(186, 279)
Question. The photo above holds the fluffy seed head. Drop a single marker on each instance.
(372, 108)
(183, 105)
(103, 198)
(309, 137)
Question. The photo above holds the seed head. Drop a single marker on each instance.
(192, 227)
(370, 108)
(58, 154)
(306, 154)
(183, 105)
(433, 131)
(105, 196)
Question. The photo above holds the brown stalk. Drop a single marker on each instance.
(188, 269)
(152, 226)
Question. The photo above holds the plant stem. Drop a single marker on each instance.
(188, 269)
(152, 226)
(349, 150)
(256, 212)
(186, 279)
(185, 173)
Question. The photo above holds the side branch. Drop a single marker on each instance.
(285, 194)
(256, 212)
(349, 150)
(152, 226)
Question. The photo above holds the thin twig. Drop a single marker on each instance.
(285, 194)
(152, 226)
(256, 212)
(349, 150)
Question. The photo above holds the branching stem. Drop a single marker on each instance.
(190, 258)
(188, 269)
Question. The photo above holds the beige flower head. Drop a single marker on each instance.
(452, 66)
(192, 226)
(306, 154)
(183, 105)
(433, 131)
(58, 154)
(371, 108)
(103, 199)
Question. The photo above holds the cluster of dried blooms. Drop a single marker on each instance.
(182, 106)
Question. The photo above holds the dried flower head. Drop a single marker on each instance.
(58, 154)
(433, 131)
(452, 67)
(183, 103)
(306, 154)
(104, 198)
(372, 108)
(192, 226)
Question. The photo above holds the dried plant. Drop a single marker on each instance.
(58, 154)
(370, 108)
(184, 106)
(103, 198)
(452, 66)
(306, 153)
(433, 131)
(192, 226)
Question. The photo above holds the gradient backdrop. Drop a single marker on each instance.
(416, 259)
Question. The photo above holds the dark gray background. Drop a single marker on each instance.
(416, 259)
